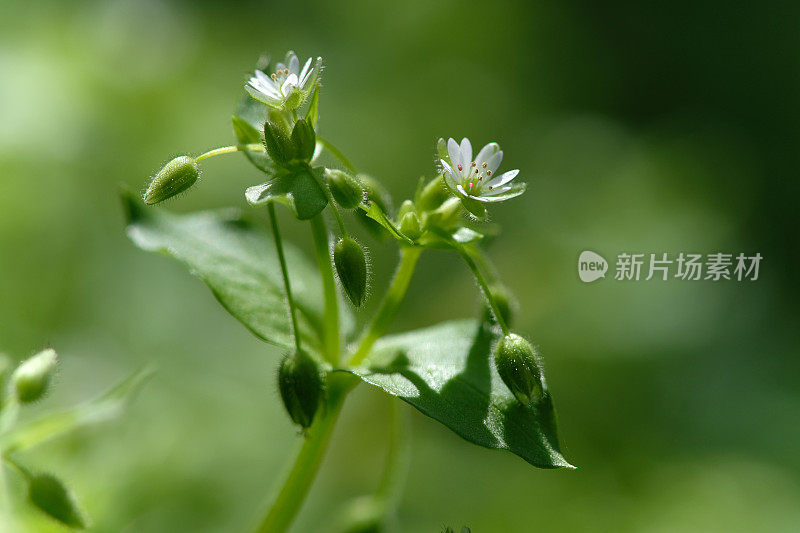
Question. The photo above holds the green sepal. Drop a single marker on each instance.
(474, 207)
(375, 214)
(312, 115)
(304, 139)
(297, 189)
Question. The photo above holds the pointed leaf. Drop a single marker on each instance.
(447, 372)
(298, 190)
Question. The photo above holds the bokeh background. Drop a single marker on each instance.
(639, 127)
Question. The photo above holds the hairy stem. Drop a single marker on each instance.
(289, 499)
(484, 287)
(284, 272)
(335, 152)
(331, 320)
(230, 150)
(391, 303)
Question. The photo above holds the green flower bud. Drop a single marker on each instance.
(280, 147)
(433, 194)
(406, 207)
(516, 362)
(301, 387)
(176, 176)
(32, 377)
(50, 496)
(410, 225)
(304, 139)
(446, 215)
(351, 266)
(346, 190)
(505, 302)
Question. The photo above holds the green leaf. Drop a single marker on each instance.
(50, 496)
(376, 213)
(237, 260)
(108, 406)
(299, 190)
(466, 235)
(446, 372)
(248, 124)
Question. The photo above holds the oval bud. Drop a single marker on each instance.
(446, 215)
(505, 302)
(304, 139)
(50, 496)
(32, 377)
(351, 266)
(410, 225)
(301, 387)
(516, 362)
(345, 189)
(176, 176)
(406, 207)
(279, 146)
(433, 194)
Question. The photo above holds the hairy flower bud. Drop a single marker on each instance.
(433, 194)
(176, 176)
(516, 362)
(32, 377)
(304, 139)
(280, 147)
(351, 266)
(410, 225)
(345, 189)
(48, 494)
(301, 387)
(406, 207)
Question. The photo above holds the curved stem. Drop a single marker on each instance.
(331, 319)
(335, 152)
(231, 149)
(284, 272)
(484, 287)
(391, 302)
(287, 502)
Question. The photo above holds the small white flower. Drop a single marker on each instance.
(288, 86)
(477, 179)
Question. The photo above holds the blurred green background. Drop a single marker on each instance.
(638, 128)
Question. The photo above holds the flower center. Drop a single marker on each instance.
(473, 178)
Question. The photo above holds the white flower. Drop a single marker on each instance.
(288, 86)
(477, 179)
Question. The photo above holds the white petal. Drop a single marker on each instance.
(289, 84)
(494, 161)
(502, 179)
(486, 152)
(260, 96)
(466, 151)
(279, 67)
(294, 65)
(515, 191)
(455, 153)
(497, 191)
(262, 77)
(449, 175)
(461, 190)
(305, 72)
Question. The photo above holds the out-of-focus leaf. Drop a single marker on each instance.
(50, 496)
(466, 235)
(447, 372)
(109, 405)
(298, 190)
(237, 260)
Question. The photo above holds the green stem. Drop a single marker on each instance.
(326, 191)
(287, 502)
(397, 458)
(335, 152)
(231, 149)
(484, 287)
(331, 320)
(391, 302)
(285, 273)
